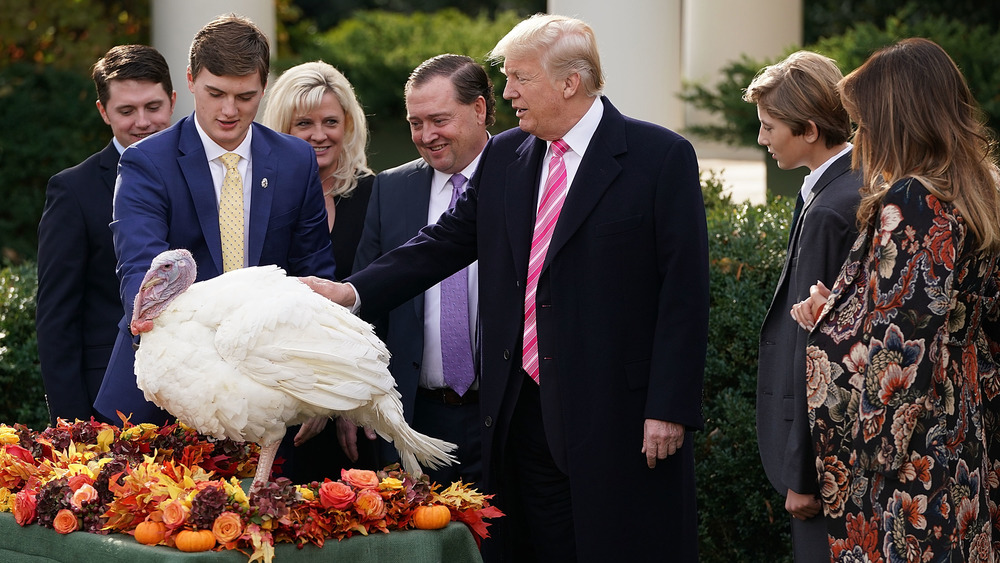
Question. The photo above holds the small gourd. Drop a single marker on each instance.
(150, 532)
(194, 540)
(431, 517)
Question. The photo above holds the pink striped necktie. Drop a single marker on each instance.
(545, 222)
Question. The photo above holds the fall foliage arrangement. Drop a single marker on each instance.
(171, 486)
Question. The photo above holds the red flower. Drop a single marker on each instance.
(24, 508)
(20, 453)
(336, 495)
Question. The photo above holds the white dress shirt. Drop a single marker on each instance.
(213, 151)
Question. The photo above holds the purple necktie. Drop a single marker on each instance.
(456, 345)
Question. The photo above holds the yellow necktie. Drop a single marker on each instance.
(231, 214)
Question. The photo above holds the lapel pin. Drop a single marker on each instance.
(263, 183)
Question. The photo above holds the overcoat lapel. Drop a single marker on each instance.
(597, 171)
(519, 200)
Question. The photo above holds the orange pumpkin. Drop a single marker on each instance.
(194, 540)
(431, 517)
(149, 532)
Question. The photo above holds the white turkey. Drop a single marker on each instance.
(250, 352)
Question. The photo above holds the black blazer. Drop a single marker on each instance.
(397, 210)
(817, 247)
(349, 224)
(622, 318)
(78, 303)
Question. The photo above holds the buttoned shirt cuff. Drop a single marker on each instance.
(357, 299)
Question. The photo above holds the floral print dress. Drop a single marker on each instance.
(903, 390)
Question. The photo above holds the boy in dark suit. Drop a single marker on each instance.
(802, 123)
(78, 303)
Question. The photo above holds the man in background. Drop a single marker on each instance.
(78, 303)
(449, 105)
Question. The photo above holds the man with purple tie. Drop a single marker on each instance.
(432, 338)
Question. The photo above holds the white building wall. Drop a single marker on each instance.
(176, 21)
(640, 44)
(650, 47)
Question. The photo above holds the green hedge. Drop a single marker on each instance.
(741, 517)
(22, 396)
(49, 123)
(975, 49)
(377, 50)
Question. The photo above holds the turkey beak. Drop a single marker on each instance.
(152, 282)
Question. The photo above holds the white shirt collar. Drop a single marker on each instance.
(214, 151)
(809, 182)
(578, 138)
(442, 180)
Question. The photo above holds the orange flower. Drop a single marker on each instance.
(227, 527)
(336, 495)
(24, 508)
(65, 521)
(174, 513)
(370, 505)
(359, 478)
(83, 495)
(77, 481)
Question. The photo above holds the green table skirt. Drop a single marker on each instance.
(35, 544)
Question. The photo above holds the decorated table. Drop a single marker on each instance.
(91, 492)
(36, 544)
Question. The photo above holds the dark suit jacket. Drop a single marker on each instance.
(397, 210)
(622, 319)
(78, 304)
(818, 244)
(349, 224)
(165, 199)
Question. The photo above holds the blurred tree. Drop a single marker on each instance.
(328, 13)
(827, 18)
(69, 34)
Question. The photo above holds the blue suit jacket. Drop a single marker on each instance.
(622, 318)
(78, 303)
(397, 210)
(165, 198)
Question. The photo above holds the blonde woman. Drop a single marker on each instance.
(901, 371)
(315, 102)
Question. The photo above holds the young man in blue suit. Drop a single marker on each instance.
(802, 123)
(449, 105)
(170, 190)
(78, 305)
(593, 345)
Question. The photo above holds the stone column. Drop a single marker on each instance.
(717, 32)
(176, 21)
(641, 47)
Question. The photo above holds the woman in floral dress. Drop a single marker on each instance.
(902, 362)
